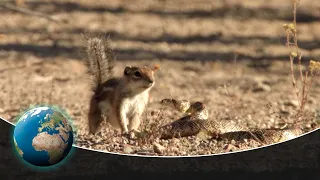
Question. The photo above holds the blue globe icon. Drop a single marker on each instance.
(43, 136)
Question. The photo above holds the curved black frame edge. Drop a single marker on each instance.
(294, 159)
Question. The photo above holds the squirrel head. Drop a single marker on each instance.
(140, 78)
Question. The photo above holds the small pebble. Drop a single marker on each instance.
(291, 102)
(127, 149)
(259, 87)
(158, 148)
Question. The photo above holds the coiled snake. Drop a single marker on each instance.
(196, 121)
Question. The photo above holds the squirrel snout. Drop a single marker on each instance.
(150, 81)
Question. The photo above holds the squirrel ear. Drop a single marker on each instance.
(156, 67)
(127, 70)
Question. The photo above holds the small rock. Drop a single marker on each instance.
(127, 149)
(308, 126)
(37, 70)
(132, 142)
(315, 125)
(259, 87)
(271, 120)
(146, 152)
(293, 103)
(132, 135)
(283, 110)
(153, 113)
(62, 79)
(183, 153)
(42, 78)
(229, 147)
(311, 100)
(175, 140)
(158, 148)
(125, 141)
(174, 149)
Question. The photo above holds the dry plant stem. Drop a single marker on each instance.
(28, 12)
(308, 86)
(11, 92)
(297, 51)
(235, 62)
(295, 38)
(42, 96)
(294, 81)
(304, 93)
(51, 91)
(302, 98)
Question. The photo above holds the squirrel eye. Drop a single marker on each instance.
(137, 74)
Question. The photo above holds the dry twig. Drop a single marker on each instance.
(291, 31)
(30, 12)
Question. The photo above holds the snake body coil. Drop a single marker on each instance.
(196, 121)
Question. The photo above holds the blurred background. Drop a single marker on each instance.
(230, 54)
(160, 29)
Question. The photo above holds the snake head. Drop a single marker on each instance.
(196, 107)
(181, 106)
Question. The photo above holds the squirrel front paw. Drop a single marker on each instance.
(134, 133)
(131, 134)
(128, 135)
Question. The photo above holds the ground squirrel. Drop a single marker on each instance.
(119, 100)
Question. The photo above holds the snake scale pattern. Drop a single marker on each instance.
(196, 121)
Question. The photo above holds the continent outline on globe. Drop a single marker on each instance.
(51, 136)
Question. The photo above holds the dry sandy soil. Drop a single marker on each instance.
(229, 54)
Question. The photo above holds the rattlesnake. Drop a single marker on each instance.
(196, 121)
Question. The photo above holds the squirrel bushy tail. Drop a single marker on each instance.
(100, 60)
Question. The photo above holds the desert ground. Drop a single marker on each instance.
(231, 55)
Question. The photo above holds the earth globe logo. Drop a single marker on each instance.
(43, 136)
